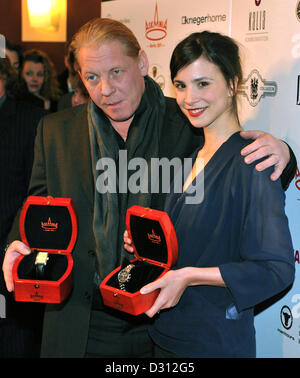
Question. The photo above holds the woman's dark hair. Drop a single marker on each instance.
(215, 47)
(8, 74)
(17, 49)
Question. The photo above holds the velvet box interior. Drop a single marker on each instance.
(155, 251)
(46, 225)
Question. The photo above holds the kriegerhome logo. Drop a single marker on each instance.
(254, 88)
(156, 29)
(198, 20)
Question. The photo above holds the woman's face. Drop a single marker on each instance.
(202, 93)
(33, 74)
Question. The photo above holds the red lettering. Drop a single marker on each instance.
(297, 177)
(297, 257)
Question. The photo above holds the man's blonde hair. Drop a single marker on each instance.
(100, 30)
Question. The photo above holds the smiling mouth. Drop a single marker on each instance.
(196, 112)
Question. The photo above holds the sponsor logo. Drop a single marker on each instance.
(154, 72)
(254, 88)
(257, 21)
(257, 2)
(286, 317)
(49, 226)
(298, 10)
(297, 180)
(257, 25)
(156, 30)
(289, 318)
(36, 296)
(198, 20)
(154, 238)
(298, 91)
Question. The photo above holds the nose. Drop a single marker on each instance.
(189, 96)
(106, 87)
(35, 78)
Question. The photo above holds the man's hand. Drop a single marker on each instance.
(266, 145)
(127, 242)
(15, 249)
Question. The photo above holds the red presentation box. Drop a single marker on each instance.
(47, 225)
(155, 250)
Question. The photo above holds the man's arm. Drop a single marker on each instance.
(277, 154)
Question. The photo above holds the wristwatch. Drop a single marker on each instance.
(124, 276)
(40, 263)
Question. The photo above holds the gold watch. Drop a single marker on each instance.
(124, 276)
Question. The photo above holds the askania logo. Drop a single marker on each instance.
(254, 88)
(49, 226)
(156, 30)
(257, 2)
(139, 176)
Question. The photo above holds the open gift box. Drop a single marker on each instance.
(155, 250)
(49, 227)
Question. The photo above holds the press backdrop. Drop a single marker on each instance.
(268, 32)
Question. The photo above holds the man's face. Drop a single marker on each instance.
(115, 81)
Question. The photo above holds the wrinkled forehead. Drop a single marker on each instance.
(106, 53)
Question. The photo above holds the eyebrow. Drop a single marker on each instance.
(196, 80)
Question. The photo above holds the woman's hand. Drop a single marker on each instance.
(174, 282)
(171, 285)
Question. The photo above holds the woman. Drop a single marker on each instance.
(235, 249)
(39, 84)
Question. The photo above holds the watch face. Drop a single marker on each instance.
(123, 276)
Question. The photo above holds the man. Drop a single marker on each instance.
(18, 124)
(128, 111)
